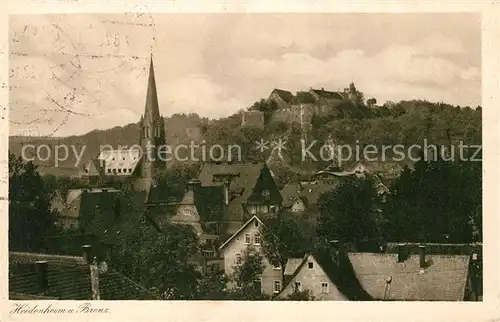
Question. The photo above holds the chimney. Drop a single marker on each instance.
(194, 184)
(300, 188)
(401, 253)
(226, 192)
(87, 253)
(335, 248)
(94, 279)
(42, 276)
(421, 251)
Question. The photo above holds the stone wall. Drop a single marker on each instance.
(252, 119)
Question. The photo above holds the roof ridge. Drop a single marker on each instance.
(51, 257)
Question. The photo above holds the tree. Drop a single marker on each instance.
(213, 286)
(348, 212)
(162, 261)
(176, 179)
(285, 236)
(30, 216)
(246, 277)
(439, 201)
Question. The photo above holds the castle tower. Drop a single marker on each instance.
(352, 92)
(152, 133)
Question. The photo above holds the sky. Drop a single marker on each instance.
(71, 74)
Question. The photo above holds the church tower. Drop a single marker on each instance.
(152, 133)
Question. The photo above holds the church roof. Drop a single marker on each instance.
(151, 110)
(119, 162)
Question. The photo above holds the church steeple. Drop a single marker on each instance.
(152, 135)
(151, 110)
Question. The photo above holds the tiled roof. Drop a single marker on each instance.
(188, 198)
(27, 258)
(69, 279)
(72, 195)
(247, 175)
(444, 279)
(157, 194)
(311, 192)
(57, 202)
(293, 264)
(327, 94)
(119, 162)
(285, 95)
(304, 98)
(245, 178)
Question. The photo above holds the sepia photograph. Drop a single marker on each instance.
(244, 157)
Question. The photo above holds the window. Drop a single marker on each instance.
(310, 265)
(238, 258)
(298, 287)
(277, 286)
(256, 223)
(324, 287)
(277, 266)
(253, 209)
(265, 193)
(247, 239)
(256, 238)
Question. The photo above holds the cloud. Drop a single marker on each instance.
(198, 94)
(96, 66)
(397, 72)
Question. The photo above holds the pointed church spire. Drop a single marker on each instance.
(152, 111)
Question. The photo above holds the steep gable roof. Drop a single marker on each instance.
(57, 202)
(151, 109)
(245, 175)
(284, 95)
(444, 279)
(327, 94)
(244, 179)
(293, 265)
(240, 230)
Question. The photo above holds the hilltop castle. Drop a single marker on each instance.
(301, 107)
(137, 168)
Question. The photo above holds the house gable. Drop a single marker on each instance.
(298, 205)
(313, 278)
(236, 246)
(265, 189)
